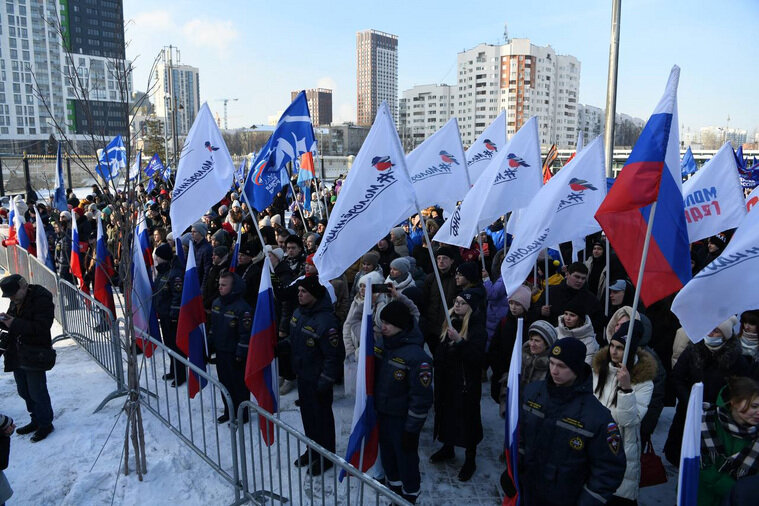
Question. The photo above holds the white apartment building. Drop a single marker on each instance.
(423, 110)
(524, 79)
(175, 80)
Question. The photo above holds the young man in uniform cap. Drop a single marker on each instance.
(571, 450)
(28, 321)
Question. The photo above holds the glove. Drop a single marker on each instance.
(410, 441)
(508, 486)
(239, 363)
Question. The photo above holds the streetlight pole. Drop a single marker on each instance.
(611, 87)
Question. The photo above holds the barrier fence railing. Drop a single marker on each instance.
(269, 476)
(93, 327)
(193, 421)
(4, 259)
(40, 274)
(18, 261)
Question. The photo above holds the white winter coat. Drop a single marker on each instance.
(627, 411)
(584, 333)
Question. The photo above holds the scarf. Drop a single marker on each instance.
(743, 463)
(750, 343)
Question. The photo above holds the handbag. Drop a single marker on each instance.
(36, 358)
(652, 470)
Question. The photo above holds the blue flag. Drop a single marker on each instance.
(239, 175)
(112, 160)
(688, 165)
(154, 165)
(59, 198)
(293, 136)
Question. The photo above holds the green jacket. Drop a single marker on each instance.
(714, 485)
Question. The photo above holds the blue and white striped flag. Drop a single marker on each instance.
(59, 197)
(112, 160)
(690, 455)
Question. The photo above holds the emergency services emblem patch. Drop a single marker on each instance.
(399, 375)
(556, 350)
(310, 342)
(614, 442)
(576, 443)
(333, 337)
(425, 374)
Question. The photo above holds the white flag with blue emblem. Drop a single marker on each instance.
(713, 197)
(438, 169)
(375, 196)
(509, 182)
(485, 147)
(111, 160)
(204, 174)
(724, 287)
(562, 210)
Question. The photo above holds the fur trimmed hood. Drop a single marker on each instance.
(643, 370)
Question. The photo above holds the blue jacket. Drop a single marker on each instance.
(403, 379)
(203, 260)
(167, 291)
(571, 451)
(316, 344)
(231, 319)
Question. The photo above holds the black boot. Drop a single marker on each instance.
(443, 454)
(27, 429)
(467, 470)
(42, 433)
(302, 460)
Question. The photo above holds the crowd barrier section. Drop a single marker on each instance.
(4, 259)
(40, 274)
(268, 475)
(193, 421)
(92, 326)
(18, 261)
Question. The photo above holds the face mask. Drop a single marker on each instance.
(713, 342)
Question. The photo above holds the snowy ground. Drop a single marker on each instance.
(79, 462)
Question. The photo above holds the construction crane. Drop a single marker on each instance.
(226, 101)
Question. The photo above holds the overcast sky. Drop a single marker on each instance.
(258, 51)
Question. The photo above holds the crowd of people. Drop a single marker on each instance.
(586, 413)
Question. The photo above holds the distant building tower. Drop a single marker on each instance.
(319, 105)
(176, 83)
(376, 74)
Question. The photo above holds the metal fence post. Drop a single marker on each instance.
(2, 184)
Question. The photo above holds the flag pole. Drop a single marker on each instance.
(254, 213)
(479, 239)
(434, 266)
(295, 199)
(545, 274)
(608, 277)
(638, 285)
(611, 86)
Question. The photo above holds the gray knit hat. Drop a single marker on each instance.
(544, 330)
(200, 227)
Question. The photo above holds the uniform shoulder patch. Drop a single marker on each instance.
(333, 336)
(425, 374)
(615, 442)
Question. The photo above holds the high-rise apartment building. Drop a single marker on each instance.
(423, 110)
(524, 79)
(177, 86)
(45, 71)
(319, 105)
(376, 74)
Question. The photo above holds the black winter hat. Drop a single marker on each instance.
(472, 297)
(11, 284)
(164, 251)
(470, 270)
(396, 313)
(621, 337)
(221, 251)
(572, 352)
(311, 285)
(576, 307)
(250, 248)
(448, 251)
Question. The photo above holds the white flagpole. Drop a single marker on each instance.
(479, 239)
(434, 266)
(545, 274)
(638, 285)
(253, 213)
(608, 277)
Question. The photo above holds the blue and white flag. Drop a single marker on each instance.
(112, 160)
(509, 182)
(59, 197)
(438, 169)
(483, 150)
(154, 165)
(724, 287)
(690, 454)
(562, 210)
(688, 165)
(204, 174)
(293, 136)
(43, 249)
(17, 218)
(375, 196)
(513, 409)
(239, 176)
(713, 197)
(134, 170)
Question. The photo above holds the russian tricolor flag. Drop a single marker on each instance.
(18, 223)
(512, 415)
(652, 174)
(191, 327)
(43, 249)
(364, 438)
(261, 365)
(235, 252)
(690, 455)
(75, 264)
(103, 271)
(144, 316)
(144, 237)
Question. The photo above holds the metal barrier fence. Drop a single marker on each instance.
(40, 274)
(193, 421)
(93, 327)
(4, 259)
(269, 476)
(18, 261)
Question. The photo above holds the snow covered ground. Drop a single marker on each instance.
(79, 463)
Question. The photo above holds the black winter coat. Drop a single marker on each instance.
(230, 321)
(203, 259)
(434, 313)
(211, 284)
(31, 325)
(458, 386)
(560, 295)
(404, 379)
(165, 293)
(501, 348)
(251, 274)
(571, 451)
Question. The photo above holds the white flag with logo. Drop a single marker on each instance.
(375, 196)
(713, 197)
(725, 287)
(204, 174)
(438, 169)
(562, 210)
(508, 183)
(484, 149)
